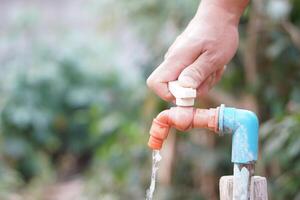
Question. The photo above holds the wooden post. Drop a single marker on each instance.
(258, 188)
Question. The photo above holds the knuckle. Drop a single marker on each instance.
(174, 62)
(171, 57)
(197, 73)
(213, 59)
(150, 82)
(179, 37)
(209, 43)
(167, 54)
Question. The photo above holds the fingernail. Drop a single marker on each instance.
(187, 81)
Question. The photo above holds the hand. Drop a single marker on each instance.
(198, 56)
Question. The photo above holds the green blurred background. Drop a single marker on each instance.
(75, 109)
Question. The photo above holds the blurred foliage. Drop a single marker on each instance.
(63, 107)
(281, 155)
(74, 101)
(69, 106)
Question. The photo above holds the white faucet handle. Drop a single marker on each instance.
(184, 96)
(185, 102)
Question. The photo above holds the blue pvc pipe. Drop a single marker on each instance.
(243, 125)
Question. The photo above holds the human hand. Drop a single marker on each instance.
(198, 56)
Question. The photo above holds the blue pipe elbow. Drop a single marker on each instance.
(243, 125)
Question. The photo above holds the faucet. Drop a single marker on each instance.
(241, 124)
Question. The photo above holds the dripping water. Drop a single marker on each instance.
(156, 157)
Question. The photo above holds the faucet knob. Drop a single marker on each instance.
(184, 96)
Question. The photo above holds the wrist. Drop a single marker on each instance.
(231, 10)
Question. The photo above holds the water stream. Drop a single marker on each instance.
(155, 160)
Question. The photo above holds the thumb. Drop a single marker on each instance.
(193, 75)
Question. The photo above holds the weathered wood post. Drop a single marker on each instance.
(258, 188)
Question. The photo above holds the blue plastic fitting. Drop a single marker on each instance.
(243, 125)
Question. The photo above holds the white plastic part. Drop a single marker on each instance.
(181, 92)
(185, 102)
(184, 96)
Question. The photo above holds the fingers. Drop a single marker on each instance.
(209, 82)
(206, 85)
(181, 54)
(219, 74)
(195, 74)
(171, 48)
(164, 73)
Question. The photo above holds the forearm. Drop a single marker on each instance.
(231, 8)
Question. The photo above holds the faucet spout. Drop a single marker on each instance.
(183, 119)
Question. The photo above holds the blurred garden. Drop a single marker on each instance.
(75, 111)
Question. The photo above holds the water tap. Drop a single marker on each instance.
(241, 124)
(183, 117)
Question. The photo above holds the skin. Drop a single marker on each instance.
(200, 53)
